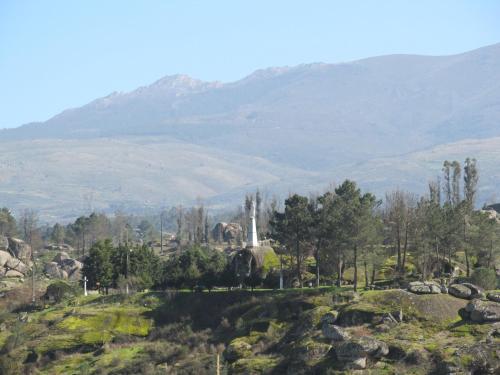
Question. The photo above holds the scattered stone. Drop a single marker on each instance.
(416, 357)
(466, 291)
(330, 317)
(483, 311)
(484, 357)
(53, 271)
(476, 291)
(398, 315)
(354, 353)
(69, 264)
(334, 332)
(373, 347)
(311, 350)
(450, 368)
(396, 353)
(424, 287)
(460, 291)
(390, 320)
(64, 267)
(60, 257)
(494, 333)
(493, 296)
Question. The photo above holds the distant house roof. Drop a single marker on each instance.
(494, 206)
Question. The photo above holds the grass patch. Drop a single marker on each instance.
(100, 325)
(118, 357)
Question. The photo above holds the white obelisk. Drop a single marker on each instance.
(252, 240)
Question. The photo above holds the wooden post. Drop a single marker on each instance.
(218, 364)
(161, 233)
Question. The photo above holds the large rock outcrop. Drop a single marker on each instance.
(224, 232)
(19, 249)
(11, 266)
(256, 261)
(53, 271)
(481, 311)
(15, 257)
(64, 267)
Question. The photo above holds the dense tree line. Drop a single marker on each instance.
(107, 266)
(346, 228)
(318, 238)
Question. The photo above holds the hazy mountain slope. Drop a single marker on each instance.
(63, 177)
(331, 120)
(413, 171)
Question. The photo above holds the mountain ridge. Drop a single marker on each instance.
(310, 123)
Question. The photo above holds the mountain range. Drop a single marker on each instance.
(387, 122)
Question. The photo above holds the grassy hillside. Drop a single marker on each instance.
(260, 332)
(62, 178)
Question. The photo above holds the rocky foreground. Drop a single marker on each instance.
(329, 331)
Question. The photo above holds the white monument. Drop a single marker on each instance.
(252, 240)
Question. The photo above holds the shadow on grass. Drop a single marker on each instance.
(207, 309)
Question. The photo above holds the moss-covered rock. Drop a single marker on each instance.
(310, 351)
(361, 313)
(255, 365)
(241, 347)
(237, 349)
(346, 296)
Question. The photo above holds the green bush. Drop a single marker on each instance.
(484, 277)
(10, 366)
(59, 290)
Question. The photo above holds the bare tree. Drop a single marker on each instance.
(29, 224)
(471, 177)
(455, 185)
(398, 215)
(447, 181)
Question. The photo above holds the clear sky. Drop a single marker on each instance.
(60, 54)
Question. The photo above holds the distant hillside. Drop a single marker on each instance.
(284, 129)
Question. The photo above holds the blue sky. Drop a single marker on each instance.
(60, 54)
